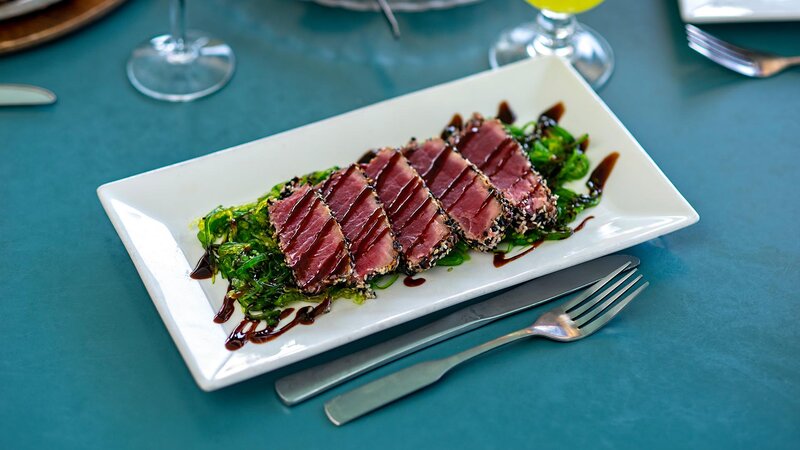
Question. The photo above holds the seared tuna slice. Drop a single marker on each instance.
(487, 145)
(420, 225)
(311, 240)
(464, 192)
(356, 207)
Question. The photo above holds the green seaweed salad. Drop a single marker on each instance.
(241, 247)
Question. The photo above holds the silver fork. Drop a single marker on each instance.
(569, 322)
(752, 63)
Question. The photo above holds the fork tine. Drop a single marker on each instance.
(725, 61)
(709, 50)
(610, 313)
(714, 46)
(693, 30)
(594, 288)
(605, 318)
(576, 313)
(607, 303)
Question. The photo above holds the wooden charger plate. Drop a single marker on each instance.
(52, 22)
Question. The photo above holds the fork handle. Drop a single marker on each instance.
(468, 354)
(383, 391)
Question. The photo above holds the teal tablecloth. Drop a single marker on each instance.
(709, 357)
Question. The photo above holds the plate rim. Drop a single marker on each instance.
(21, 7)
(105, 194)
(687, 11)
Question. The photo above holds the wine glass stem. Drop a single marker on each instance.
(177, 19)
(555, 31)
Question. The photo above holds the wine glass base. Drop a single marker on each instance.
(589, 53)
(159, 71)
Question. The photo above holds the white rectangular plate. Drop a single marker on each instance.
(152, 213)
(721, 11)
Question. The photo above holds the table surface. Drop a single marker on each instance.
(707, 357)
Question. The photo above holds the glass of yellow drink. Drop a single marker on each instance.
(556, 32)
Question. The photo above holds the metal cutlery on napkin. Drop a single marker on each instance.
(24, 95)
(752, 63)
(310, 382)
(576, 319)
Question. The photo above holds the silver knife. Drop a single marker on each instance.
(313, 381)
(25, 94)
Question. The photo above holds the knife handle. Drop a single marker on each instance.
(383, 391)
(307, 383)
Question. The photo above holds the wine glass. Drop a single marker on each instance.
(180, 66)
(556, 32)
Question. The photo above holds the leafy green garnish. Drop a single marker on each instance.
(242, 248)
(559, 157)
(385, 281)
(457, 256)
(309, 178)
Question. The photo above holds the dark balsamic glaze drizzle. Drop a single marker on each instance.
(599, 176)
(582, 224)
(368, 156)
(456, 124)
(505, 114)
(555, 112)
(241, 334)
(226, 310)
(500, 259)
(584, 145)
(203, 269)
(410, 281)
(246, 330)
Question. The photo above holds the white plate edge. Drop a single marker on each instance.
(210, 384)
(688, 16)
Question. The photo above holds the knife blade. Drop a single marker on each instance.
(24, 95)
(313, 381)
